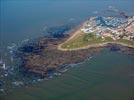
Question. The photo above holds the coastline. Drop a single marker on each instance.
(41, 59)
(77, 32)
(41, 64)
(95, 45)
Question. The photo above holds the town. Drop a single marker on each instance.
(114, 27)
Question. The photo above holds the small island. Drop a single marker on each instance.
(99, 31)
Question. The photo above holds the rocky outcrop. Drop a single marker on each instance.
(43, 56)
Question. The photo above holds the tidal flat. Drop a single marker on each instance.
(88, 80)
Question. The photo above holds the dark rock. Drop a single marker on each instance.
(1, 83)
(114, 48)
(58, 31)
(41, 58)
(50, 59)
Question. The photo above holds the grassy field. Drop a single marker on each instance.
(84, 40)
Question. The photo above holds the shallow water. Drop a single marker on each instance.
(106, 76)
(22, 19)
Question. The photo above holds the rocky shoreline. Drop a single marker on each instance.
(42, 56)
(45, 58)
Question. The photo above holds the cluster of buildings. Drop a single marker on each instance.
(114, 27)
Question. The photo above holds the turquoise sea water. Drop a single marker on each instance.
(107, 76)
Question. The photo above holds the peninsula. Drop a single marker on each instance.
(48, 55)
(99, 31)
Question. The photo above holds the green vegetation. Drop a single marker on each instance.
(90, 38)
(82, 40)
(126, 41)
